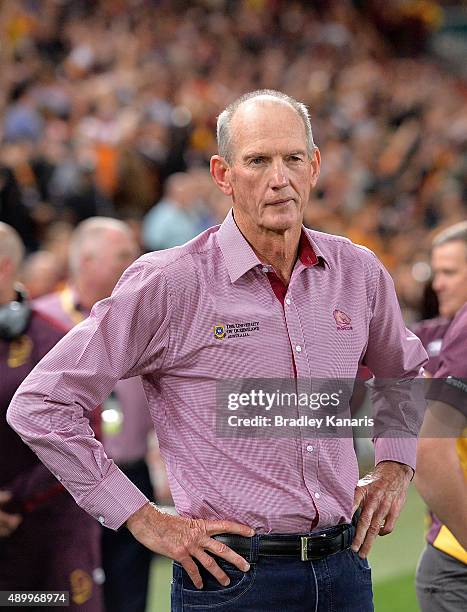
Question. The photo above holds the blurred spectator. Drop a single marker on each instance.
(103, 102)
(176, 218)
(12, 209)
(57, 237)
(22, 119)
(40, 274)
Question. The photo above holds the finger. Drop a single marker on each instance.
(372, 531)
(210, 564)
(392, 516)
(10, 520)
(222, 550)
(363, 525)
(358, 498)
(192, 570)
(5, 496)
(215, 527)
(8, 523)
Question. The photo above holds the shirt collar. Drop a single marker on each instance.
(239, 257)
(309, 252)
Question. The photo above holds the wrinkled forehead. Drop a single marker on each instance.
(263, 105)
(265, 118)
(451, 250)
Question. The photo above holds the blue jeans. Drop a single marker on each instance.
(337, 583)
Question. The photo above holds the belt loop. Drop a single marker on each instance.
(254, 548)
(350, 533)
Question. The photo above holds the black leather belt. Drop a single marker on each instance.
(307, 547)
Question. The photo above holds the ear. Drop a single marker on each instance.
(315, 165)
(6, 270)
(220, 172)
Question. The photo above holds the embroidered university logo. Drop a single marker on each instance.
(343, 321)
(219, 332)
(236, 330)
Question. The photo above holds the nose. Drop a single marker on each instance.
(437, 284)
(279, 177)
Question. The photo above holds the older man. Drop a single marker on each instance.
(259, 297)
(46, 541)
(101, 249)
(449, 269)
(442, 571)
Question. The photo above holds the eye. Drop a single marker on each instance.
(256, 161)
(294, 158)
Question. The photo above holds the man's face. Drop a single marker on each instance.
(449, 265)
(116, 251)
(271, 175)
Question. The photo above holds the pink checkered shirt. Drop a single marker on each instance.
(164, 322)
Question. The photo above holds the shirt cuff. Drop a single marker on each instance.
(401, 449)
(114, 500)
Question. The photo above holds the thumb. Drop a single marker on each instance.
(357, 500)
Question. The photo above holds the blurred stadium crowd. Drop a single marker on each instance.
(109, 108)
(102, 102)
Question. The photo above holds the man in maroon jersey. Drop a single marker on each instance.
(442, 569)
(46, 541)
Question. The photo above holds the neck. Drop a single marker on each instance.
(87, 295)
(278, 249)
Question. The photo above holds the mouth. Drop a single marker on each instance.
(281, 202)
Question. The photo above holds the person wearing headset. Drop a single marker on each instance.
(47, 543)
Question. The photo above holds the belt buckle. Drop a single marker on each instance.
(304, 548)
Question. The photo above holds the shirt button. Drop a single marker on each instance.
(309, 448)
(287, 301)
(298, 348)
(264, 269)
(317, 495)
(101, 520)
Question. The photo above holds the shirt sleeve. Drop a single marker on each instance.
(396, 357)
(449, 384)
(125, 335)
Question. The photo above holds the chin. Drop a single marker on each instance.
(280, 222)
(447, 313)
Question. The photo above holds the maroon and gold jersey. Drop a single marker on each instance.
(17, 358)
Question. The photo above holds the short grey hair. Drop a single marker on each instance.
(453, 233)
(224, 136)
(86, 236)
(11, 245)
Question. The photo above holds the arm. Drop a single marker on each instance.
(126, 335)
(395, 356)
(440, 479)
(51, 409)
